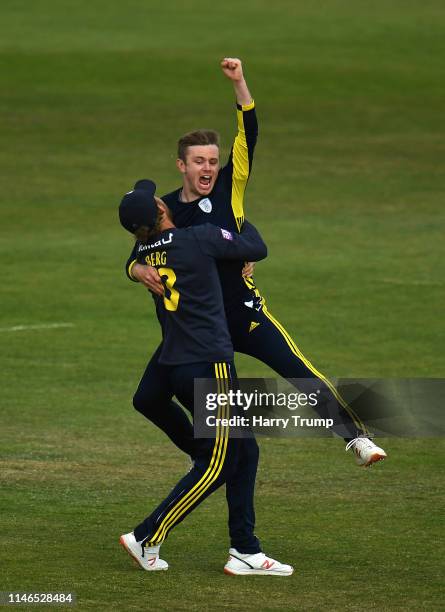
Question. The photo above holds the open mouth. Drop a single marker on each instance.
(205, 180)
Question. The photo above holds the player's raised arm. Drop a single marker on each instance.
(222, 244)
(233, 69)
(240, 161)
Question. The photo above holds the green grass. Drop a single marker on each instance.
(347, 189)
(352, 535)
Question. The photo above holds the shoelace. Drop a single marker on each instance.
(351, 443)
(362, 437)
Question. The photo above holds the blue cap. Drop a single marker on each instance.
(138, 207)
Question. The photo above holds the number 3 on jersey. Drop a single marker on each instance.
(169, 278)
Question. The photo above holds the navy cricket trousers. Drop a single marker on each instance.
(218, 460)
(258, 334)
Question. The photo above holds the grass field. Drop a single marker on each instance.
(348, 190)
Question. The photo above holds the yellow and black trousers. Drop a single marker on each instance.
(256, 332)
(217, 461)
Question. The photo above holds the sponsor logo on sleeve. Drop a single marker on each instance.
(226, 234)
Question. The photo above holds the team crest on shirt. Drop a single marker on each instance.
(205, 205)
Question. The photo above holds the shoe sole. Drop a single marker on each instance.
(135, 559)
(249, 572)
(128, 550)
(373, 459)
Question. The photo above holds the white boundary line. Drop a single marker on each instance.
(412, 283)
(32, 327)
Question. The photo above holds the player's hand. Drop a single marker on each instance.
(248, 269)
(149, 277)
(232, 68)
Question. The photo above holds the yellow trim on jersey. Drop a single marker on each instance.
(130, 268)
(240, 175)
(250, 284)
(247, 107)
(296, 351)
(212, 472)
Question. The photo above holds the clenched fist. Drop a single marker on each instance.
(232, 68)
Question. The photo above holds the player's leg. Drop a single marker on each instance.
(144, 543)
(245, 554)
(153, 399)
(209, 471)
(260, 335)
(240, 488)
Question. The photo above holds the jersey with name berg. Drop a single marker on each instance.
(191, 312)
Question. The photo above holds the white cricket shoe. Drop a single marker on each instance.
(147, 558)
(240, 564)
(366, 452)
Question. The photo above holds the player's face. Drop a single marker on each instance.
(200, 169)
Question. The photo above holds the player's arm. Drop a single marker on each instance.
(131, 262)
(222, 244)
(141, 273)
(233, 69)
(241, 156)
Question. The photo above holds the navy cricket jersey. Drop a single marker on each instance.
(223, 207)
(191, 312)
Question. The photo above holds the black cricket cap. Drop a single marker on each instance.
(138, 207)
